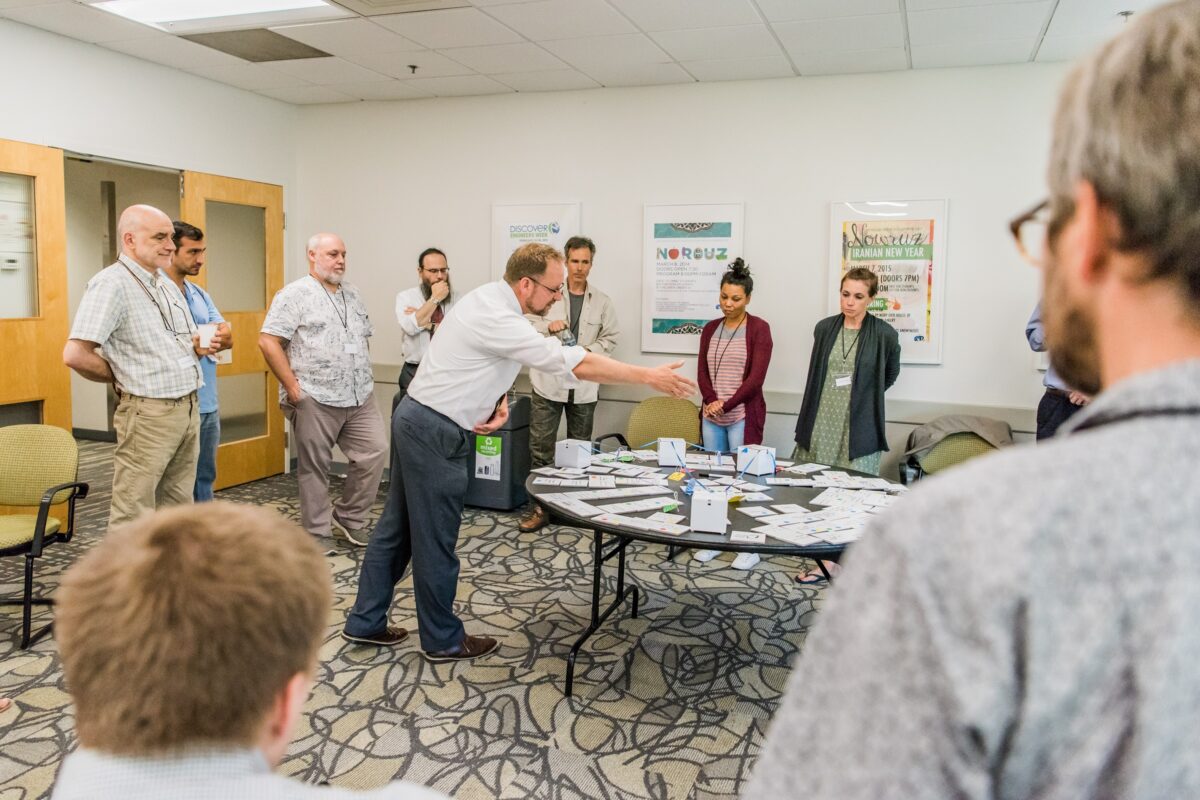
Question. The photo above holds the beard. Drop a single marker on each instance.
(331, 276)
(1070, 335)
(427, 288)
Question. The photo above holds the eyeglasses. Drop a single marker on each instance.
(1030, 230)
(442, 271)
(557, 291)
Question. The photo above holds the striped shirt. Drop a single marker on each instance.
(727, 366)
(144, 329)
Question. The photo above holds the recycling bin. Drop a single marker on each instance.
(499, 463)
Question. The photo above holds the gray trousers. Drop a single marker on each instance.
(358, 431)
(544, 416)
(419, 524)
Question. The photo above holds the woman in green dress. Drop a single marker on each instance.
(855, 358)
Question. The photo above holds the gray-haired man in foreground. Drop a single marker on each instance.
(979, 645)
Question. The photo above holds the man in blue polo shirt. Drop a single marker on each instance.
(186, 263)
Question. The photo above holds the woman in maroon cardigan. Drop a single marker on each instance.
(735, 351)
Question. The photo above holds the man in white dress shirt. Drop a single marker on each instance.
(461, 387)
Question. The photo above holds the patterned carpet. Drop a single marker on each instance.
(673, 704)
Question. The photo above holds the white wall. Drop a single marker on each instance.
(427, 172)
(64, 93)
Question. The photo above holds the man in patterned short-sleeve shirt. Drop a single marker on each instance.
(133, 329)
(315, 339)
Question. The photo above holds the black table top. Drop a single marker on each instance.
(801, 495)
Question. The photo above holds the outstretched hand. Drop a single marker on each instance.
(666, 380)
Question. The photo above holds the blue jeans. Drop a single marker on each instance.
(723, 438)
(206, 466)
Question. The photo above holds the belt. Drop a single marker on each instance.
(1058, 392)
(175, 401)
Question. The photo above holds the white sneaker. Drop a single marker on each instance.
(705, 555)
(745, 560)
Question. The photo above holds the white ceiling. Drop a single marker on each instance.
(504, 46)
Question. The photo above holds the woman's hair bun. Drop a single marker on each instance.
(739, 268)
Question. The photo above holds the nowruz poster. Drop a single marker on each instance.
(687, 249)
(904, 244)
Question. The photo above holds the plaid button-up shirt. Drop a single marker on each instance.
(144, 330)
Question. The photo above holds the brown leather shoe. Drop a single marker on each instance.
(536, 519)
(471, 647)
(388, 637)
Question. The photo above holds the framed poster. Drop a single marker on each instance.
(515, 225)
(686, 250)
(904, 244)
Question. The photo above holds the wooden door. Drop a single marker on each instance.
(243, 229)
(33, 284)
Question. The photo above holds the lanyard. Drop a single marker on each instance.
(721, 354)
(344, 315)
(167, 323)
(853, 344)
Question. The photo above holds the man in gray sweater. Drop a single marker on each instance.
(980, 643)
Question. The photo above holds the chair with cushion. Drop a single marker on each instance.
(659, 417)
(38, 468)
(950, 440)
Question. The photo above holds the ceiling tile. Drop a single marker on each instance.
(557, 80)
(1083, 17)
(497, 58)
(459, 86)
(875, 32)
(490, 3)
(743, 41)
(978, 23)
(562, 19)
(928, 5)
(1067, 48)
(640, 74)
(397, 65)
(669, 15)
(249, 76)
(972, 54)
(24, 3)
(326, 71)
(81, 22)
(843, 62)
(788, 10)
(372, 8)
(348, 37)
(602, 52)
(381, 90)
(175, 52)
(456, 27)
(739, 69)
(306, 95)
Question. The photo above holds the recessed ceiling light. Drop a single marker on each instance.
(179, 16)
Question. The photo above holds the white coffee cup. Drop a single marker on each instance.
(207, 331)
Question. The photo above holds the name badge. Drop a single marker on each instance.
(841, 381)
(350, 347)
(186, 361)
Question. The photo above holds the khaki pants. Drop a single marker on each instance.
(158, 443)
(358, 431)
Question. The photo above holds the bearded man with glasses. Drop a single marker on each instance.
(979, 643)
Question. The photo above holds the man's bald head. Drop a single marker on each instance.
(327, 259)
(145, 234)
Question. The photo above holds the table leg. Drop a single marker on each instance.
(598, 617)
